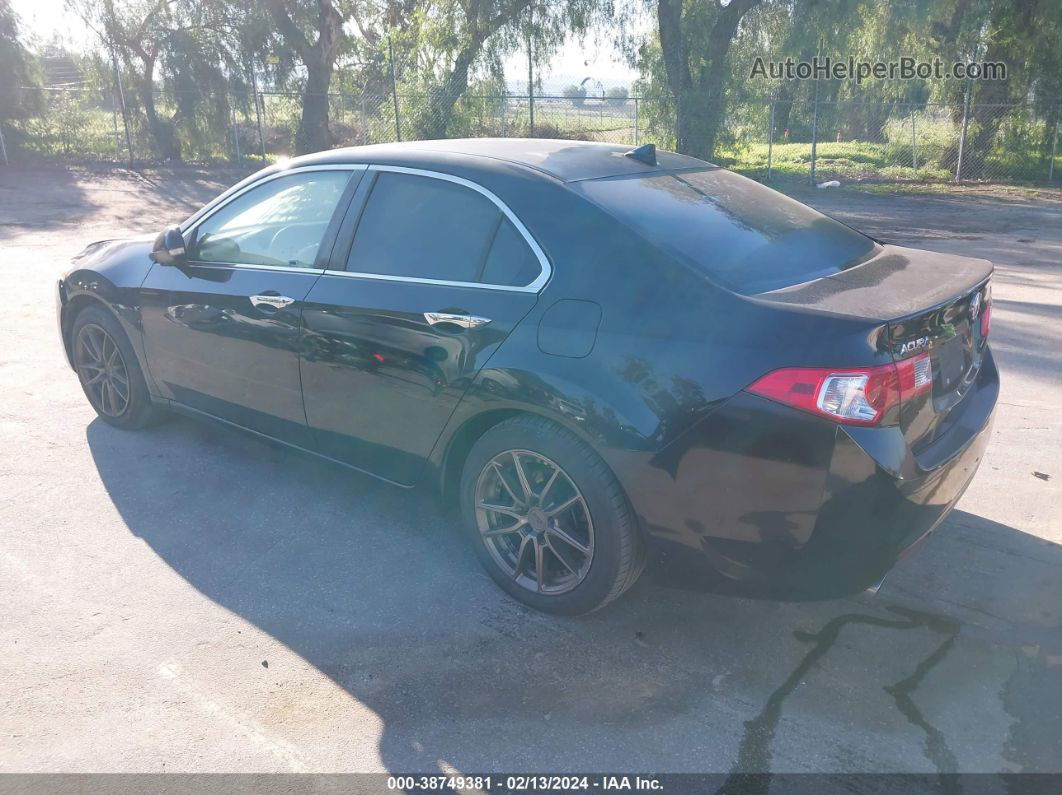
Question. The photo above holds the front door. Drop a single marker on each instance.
(437, 276)
(221, 331)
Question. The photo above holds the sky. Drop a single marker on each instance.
(42, 19)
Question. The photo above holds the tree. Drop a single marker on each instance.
(182, 44)
(313, 29)
(17, 67)
(457, 38)
(695, 40)
(577, 95)
(617, 95)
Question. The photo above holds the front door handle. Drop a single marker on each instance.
(464, 321)
(271, 301)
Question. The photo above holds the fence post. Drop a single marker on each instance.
(636, 121)
(962, 135)
(530, 75)
(235, 135)
(1054, 149)
(125, 111)
(394, 89)
(114, 120)
(259, 102)
(814, 130)
(914, 150)
(3, 146)
(770, 142)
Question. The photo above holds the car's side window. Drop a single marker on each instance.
(510, 261)
(279, 223)
(422, 227)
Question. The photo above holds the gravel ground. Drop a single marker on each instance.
(190, 599)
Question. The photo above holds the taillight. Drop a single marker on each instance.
(860, 396)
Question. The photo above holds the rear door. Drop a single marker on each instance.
(221, 331)
(430, 275)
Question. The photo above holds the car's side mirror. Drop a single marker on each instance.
(169, 247)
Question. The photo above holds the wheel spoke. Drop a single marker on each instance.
(525, 542)
(504, 482)
(502, 509)
(549, 484)
(96, 378)
(504, 531)
(522, 476)
(123, 396)
(564, 536)
(557, 554)
(540, 565)
(568, 503)
(89, 346)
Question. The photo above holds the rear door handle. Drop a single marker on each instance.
(464, 321)
(272, 301)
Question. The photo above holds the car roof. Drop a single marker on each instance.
(567, 161)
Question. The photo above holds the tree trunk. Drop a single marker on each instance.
(313, 134)
(162, 131)
(700, 105)
(442, 102)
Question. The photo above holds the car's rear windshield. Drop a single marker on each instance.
(745, 236)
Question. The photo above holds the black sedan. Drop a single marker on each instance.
(605, 357)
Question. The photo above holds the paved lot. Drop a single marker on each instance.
(188, 599)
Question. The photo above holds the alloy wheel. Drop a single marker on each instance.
(534, 522)
(102, 370)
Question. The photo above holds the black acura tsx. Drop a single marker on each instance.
(607, 357)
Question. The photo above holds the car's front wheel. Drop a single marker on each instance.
(108, 370)
(550, 522)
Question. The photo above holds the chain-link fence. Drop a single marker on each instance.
(770, 140)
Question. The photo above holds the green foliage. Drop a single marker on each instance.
(617, 96)
(17, 69)
(577, 95)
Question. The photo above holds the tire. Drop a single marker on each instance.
(569, 561)
(96, 339)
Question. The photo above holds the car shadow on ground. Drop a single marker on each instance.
(380, 591)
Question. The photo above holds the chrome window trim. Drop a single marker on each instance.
(225, 200)
(546, 270)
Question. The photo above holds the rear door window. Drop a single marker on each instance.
(743, 235)
(510, 261)
(422, 227)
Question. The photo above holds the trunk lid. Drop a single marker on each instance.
(932, 305)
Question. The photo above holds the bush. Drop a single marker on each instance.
(577, 94)
(617, 96)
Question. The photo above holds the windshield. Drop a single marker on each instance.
(745, 236)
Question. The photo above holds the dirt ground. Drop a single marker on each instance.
(189, 599)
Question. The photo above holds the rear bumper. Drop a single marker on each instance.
(764, 500)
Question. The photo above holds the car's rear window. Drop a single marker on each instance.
(745, 236)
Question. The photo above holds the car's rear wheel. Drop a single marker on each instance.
(550, 522)
(108, 370)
